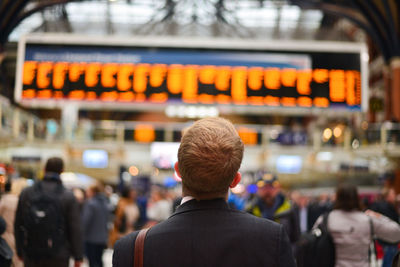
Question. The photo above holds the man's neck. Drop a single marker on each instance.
(188, 195)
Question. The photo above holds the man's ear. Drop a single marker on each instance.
(177, 174)
(177, 169)
(236, 180)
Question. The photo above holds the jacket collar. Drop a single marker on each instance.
(52, 176)
(191, 205)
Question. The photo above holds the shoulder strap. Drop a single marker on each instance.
(139, 248)
(371, 228)
(324, 223)
(372, 249)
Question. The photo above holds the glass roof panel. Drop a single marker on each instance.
(129, 17)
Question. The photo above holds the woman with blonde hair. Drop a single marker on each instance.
(126, 215)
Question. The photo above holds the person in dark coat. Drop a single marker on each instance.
(6, 253)
(73, 245)
(95, 224)
(204, 231)
(387, 207)
(302, 212)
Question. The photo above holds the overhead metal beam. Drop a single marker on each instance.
(355, 16)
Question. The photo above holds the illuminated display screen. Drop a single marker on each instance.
(162, 75)
(289, 164)
(147, 133)
(164, 155)
(95, 158)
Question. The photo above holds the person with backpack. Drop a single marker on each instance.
(47, 223)
(353, 230)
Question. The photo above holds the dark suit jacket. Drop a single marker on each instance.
(74, 245)
(209, 233)
(310, 222)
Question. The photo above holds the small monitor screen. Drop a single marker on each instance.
(95, 158)
(164, 154)
(289, 164)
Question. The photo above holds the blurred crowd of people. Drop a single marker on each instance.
(106, 214)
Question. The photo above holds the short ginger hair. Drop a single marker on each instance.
(209, 157)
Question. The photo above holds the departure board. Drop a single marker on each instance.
(160, 73)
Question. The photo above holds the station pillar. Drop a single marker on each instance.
(395, 88)
(396, 182)
(69, 120)
(388, 93)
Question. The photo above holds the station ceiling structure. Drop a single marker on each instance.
(208, 17)
(244, 19)
(380, 20)
(267, 19)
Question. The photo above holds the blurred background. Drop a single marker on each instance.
(109, 85)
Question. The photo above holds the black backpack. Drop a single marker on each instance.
(316, 248)
(44, 225)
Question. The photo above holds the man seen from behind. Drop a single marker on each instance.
(204, 231)
(47, 223)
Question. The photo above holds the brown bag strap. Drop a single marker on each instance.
(139, 248)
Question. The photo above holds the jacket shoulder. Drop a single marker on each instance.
(257, 224)
(26, 194)
(124, 250)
